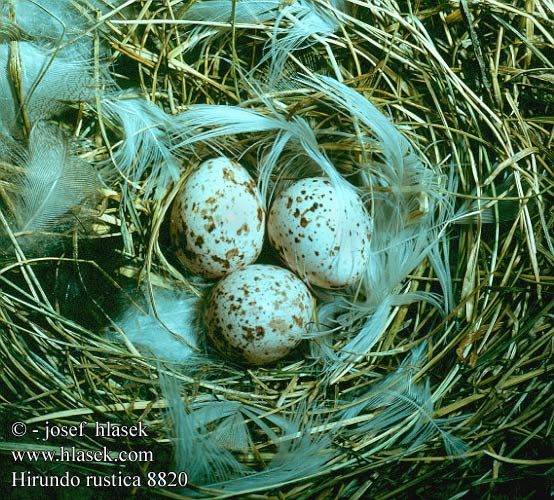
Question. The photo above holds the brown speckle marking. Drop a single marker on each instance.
(228, 175)
(279, 325)
(250, 187)
(297, 320)
(229, 254)
(243, 228)
(260, 214)
(219, 260)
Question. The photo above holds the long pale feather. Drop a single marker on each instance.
(207, 123)
(48, 83)
(305, 19)
(403, 407)
(203, 459)
(145, 147)
(208, 430)
(393, 253)
(300, 453)
(218, 16)
(222, 11)
(291, 24)
(402, 167)
(54, 183)
(399, 242)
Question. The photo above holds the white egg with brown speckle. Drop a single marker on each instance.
(258, 314)
(217, 219)
(321, 232)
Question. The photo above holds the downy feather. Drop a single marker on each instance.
(306, 19)
(206, 123)
(403, 169)
(169, 329)
(208, 430)
(216, 17)
(53, 44)
(393, 254)
(291, 25)
(48, 83)
(300, 453)
(145, 147)
(53, 185)
(203, 459)
(55, 22)
(221, 11)
(402, 409)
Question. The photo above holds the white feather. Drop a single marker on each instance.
(300, 454)
(48, 83)
(55, 180)
(245, 11)
(63, 71)
(203, 459)
(216, 17)
(208, 430)
(291, 25)
(306, 19)
(206, 123)
(391, 260)
(11, 151)
(402, 167)
(53, 186)
(402, 408)
(145, 145)
(53, 44)
(169, 329)
(56, 22)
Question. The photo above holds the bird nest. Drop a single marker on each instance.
(431, 377)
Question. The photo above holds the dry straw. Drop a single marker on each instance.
(452, 398)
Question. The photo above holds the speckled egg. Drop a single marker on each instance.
(217, 219)
(321, 232)
(258, 314)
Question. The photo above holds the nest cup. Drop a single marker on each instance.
(434, 370)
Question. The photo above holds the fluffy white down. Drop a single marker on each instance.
(175, 336)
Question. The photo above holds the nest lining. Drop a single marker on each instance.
(487, 361)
